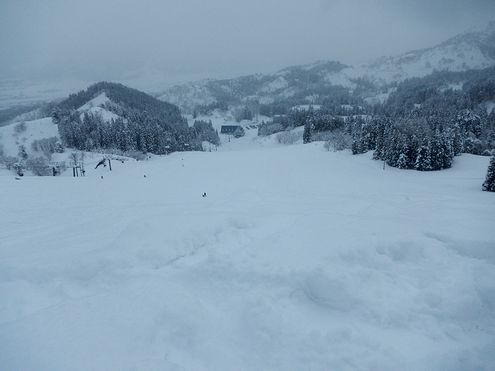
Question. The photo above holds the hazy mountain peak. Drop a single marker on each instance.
(471, 50)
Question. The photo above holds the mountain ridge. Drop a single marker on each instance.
(473, 50)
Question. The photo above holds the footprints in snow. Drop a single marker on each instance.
(482, 250)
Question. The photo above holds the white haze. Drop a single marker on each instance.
(181, 40)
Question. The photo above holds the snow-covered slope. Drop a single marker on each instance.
(297, 259)
(11, 138)
(265, 88)
(469, 51)
(194, 93)
(490, 106)
(96, 106)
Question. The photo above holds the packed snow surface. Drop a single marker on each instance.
(297, 259)
(95, 106)
(98, 101)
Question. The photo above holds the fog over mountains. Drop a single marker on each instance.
(55, 47)
(467, 51)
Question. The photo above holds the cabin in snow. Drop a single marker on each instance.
(229, 129)
(278, 119)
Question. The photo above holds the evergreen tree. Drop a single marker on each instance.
(423, 158)
(489, 184)
(22, 154)
(447, 150)
(402, 161)
(356, 145)
(437, 151)
(380, 140)
(457, 142)
(307, 133)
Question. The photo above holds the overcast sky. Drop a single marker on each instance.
(121, 39)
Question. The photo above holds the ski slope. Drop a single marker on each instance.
(44, 128)
(10, 139)
(95, 107)
(298, 259)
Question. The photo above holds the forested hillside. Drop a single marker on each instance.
(423, 124)
(327, 82)
(138, 122)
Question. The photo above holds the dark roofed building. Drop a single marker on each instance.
(229, 129)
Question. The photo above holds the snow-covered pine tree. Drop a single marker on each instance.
(392, 145)
(307, 132)
(356, 144)
(22, 154)
(447, 150)
(403, 149)
(489, 184)
(379, 148)
(402, 161)
(457, 140)
(423, 158)
(437, 151)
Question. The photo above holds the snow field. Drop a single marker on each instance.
(10, 140)
(297, 259)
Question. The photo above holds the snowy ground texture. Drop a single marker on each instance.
(298, 259)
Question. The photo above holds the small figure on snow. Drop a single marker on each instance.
(204, 194)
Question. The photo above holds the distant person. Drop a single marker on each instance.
(204, 194)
